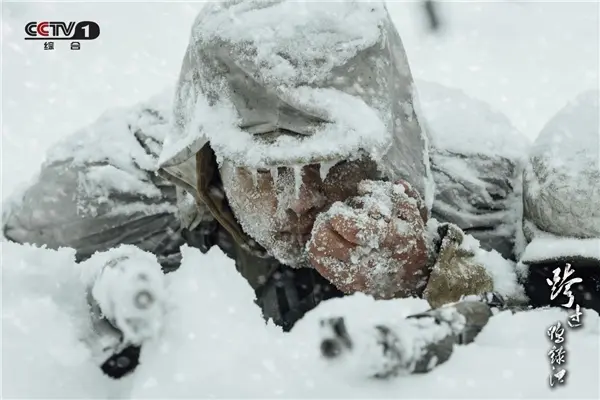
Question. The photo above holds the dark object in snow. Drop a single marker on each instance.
(423, 341)
(284, 294)
(332, 347)
(432, 14)
(122, 363)
(126, 298)
(417, 345)
(129, 291)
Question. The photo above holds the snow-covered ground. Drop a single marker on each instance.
(526, 59)
(215, 344)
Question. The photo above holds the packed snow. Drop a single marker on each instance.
(214, 342)
(544, 248)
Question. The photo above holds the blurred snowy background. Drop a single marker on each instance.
(526, 59)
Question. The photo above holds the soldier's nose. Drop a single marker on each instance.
(309, 198)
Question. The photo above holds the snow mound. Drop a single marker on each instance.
(216, 345)
(44, 319)
(570, 138)
(562, 178)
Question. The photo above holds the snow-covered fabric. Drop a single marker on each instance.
(97, 188)
(477, 158)
(57, 208)
(562, 180)
(289, 83)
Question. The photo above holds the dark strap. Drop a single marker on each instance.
(284, 294)
(291, 293)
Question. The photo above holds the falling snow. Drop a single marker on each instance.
(44, 313)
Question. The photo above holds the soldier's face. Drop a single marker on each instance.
(277, 207)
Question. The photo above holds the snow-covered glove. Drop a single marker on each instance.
(455, 273)
(374, 243)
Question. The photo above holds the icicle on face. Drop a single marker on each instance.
(297, 180)
(324, 169)
(254, 173)
(274, 175)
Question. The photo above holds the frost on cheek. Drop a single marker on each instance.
(247, 206)
(285, 185)
(403, 227)
(260, 207)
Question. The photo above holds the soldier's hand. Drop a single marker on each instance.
(374, 243)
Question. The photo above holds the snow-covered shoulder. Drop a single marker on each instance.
(477, 157)
(459, 123)
(106, 169)
(129, 138)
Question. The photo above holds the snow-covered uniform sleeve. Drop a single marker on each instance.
(476, 160)
(98, 189)
(414, 345)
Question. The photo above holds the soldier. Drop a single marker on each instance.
(300, 153)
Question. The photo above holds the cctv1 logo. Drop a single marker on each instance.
(58, 30)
